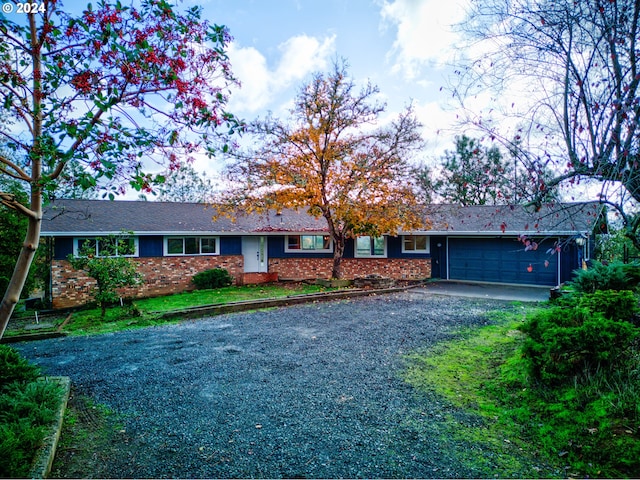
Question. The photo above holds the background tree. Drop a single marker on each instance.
(569, 70)
(332, 158)
(109, 89)
(474, 174)
(105, 260)
(186, 185)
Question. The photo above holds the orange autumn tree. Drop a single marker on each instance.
(332, 158)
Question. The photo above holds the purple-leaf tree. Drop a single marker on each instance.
(106, 92)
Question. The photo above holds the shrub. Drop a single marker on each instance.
(563, 342)
(621, 305)
(27, 407)
(27, 410)
(14, 368)
(614, 276)
(214, 278)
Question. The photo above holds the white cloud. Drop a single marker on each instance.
(302, 55)
(424, 32)
(261, 85)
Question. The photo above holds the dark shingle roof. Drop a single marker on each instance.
(558, 219)
(71, 217)
(83, 217)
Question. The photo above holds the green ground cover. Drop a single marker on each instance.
(225, 295)
(588, 427)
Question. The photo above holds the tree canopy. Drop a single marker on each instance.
(334, 158)
(106, 91)
(570, 72)
(474, 174)
(186, 185)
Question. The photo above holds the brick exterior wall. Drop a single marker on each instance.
(309, 268)
(162, 275)
(165, 275)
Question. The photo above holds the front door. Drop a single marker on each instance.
(254, 251)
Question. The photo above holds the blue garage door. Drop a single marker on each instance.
(501, 260)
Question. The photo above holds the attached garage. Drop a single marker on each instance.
(483, 243)
(501, 260)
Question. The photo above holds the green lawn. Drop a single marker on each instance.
(223, 295)
(147, 312)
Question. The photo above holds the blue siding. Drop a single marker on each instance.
(230, 245)
(571, 260)
(349, 248)
(394, 249)
(150, 246)
(62, 248)
(438, 257)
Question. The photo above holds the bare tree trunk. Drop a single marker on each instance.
(338, 252)
(20, 272)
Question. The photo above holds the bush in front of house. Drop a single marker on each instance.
(15, 368)
(582, 333)
(214, 278)
(613, 276)
(620, 305)
(582, 379)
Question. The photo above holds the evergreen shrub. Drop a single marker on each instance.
(613, 276)
(214, 278)
(620, 305)
(15, 368)
(27, 409)
(565, 342)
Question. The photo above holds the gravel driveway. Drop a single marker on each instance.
(305, 391)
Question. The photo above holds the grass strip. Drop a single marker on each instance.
(147, 312)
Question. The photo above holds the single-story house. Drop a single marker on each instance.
(173, 241)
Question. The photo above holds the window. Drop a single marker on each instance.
(106, 247)
(415, 244)
(367, 246)
(308, 243)
(191, 245)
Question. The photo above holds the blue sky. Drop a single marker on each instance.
(405, 47)
(402, 46)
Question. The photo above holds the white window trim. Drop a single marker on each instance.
(303, 250)
(421, 251)
(355, 248)
(165, 246)
(76, 247)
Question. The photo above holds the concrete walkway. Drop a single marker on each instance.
(522, 293)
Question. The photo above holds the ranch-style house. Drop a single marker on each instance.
(173, 241)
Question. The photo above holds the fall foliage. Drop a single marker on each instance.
(333, 158)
